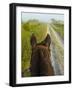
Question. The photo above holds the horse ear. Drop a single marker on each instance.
(47, 40)
(33, 41)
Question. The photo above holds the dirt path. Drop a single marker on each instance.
(57, 51)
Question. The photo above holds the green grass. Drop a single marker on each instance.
(59, 28)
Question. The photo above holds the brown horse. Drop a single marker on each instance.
(40, 58)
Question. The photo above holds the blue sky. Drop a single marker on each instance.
(41, 16)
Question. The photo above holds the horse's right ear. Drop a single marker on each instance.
(47, 40)
(33, 41)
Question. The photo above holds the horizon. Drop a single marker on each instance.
(41, 17)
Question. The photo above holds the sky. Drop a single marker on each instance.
(41, 16)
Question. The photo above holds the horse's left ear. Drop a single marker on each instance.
(33, 41)
(47, 40)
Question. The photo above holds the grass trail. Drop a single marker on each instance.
(57, 51)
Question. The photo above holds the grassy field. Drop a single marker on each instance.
(40, 31)
(59, 28)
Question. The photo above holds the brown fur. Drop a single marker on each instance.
(40, 58)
